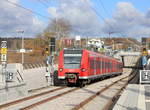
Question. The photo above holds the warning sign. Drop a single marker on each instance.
(3, 50)
(3, 57)
(144, 76)
(4, 44)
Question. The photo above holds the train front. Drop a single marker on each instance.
(69, 67)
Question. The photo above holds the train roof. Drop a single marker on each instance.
(91, 52)
(99, 54)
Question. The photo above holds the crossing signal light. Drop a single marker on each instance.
(52, 44)
(143, 41)
(46, 50)
(144, 52)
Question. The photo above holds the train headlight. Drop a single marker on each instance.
(60, 69)
(83, 69)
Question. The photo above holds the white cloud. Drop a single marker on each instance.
(128, 20)
(78, 13)
(125, 20)
(14, 18)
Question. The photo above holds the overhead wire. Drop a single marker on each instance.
(46, 17)
(101, 3)
(43, 3)
(27, 9)
(100, 16)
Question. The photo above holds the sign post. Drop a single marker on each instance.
(4, 60)
(78, 40)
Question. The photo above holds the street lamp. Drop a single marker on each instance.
(22, 50)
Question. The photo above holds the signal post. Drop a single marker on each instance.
(3, 62)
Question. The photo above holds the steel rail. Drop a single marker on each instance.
(52, 98)
(48, 99)
(111, 101)
(83, 103)
(29, 98)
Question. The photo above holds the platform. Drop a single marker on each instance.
(134, 97)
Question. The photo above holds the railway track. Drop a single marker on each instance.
(109, 104)
(33, 101)
(22, 100)
(110, 101)
(48, 99)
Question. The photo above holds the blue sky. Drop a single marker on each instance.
(110, 6)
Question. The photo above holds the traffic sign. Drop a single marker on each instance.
(3, 50)
(144, 76)
(78, 38)
(4, 44)
(3, 57)
(22, 50)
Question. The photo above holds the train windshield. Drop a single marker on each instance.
(72, 59)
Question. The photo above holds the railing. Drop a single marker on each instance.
(33, 65)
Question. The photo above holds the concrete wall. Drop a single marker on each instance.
(35, 78)
(14, 88)
(1, 75)
(12, 91)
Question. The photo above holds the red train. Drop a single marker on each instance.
(80, 66)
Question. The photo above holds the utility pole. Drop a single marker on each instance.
(112, 39)
(22, 50)
(4, 62)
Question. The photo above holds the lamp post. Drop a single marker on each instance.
(22, 50)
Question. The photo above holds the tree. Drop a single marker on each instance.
(58, 28)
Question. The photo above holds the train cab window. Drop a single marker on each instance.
(72, 61)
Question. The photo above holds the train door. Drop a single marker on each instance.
(91, 65)
(115, 66)
(101, 65)
(108, 65)
(104, 66)
(111, 66)
(95, 65)
(98, 67)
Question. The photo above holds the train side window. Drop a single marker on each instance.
(103, 65)
(111, 65)
(92, 64)
(97, 65)
(100, 64)
(106, 65)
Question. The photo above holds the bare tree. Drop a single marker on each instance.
(58, 28)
